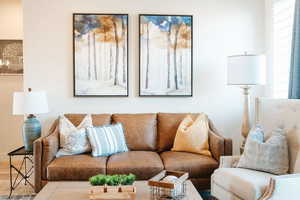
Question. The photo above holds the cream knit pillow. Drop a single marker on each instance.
(74, 140)
(269, 156)
(192, 136)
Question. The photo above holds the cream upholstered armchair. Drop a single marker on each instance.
(231, 183)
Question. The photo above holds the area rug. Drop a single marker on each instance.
(206, 195)
(18, 197)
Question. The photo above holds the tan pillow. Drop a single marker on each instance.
(192, 136)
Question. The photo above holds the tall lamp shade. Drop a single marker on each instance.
(245, 71)
(30, 103)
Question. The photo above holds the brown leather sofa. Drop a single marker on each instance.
(149, 138)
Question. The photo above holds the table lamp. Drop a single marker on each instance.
(246, 71)
(30, 103)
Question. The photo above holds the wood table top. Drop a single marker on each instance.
(70, 190)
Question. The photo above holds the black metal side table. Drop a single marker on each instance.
(24, 175)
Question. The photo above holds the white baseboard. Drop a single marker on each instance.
(4, 157)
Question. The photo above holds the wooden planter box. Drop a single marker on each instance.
(113, 193)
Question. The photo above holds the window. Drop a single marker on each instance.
(282, 18)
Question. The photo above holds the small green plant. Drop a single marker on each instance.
(112, 180)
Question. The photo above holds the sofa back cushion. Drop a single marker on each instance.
(98, 119)
(140, 130)
(168, 124)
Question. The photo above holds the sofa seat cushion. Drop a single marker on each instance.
(77, 167)
(198, 166)
(244, 183)
(144, 164)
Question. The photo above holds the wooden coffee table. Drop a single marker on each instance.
(80, 191)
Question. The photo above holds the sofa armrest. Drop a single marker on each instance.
(219, 145)
(229, 161)
(283, 187)
(43, 150)
(37, 152)
(228, 147)
(50, 148)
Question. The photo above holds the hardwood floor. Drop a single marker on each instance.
(5, 182)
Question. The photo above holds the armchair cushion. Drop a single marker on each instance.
(198, 166)
(229, 161)
(243, 183)
(281, 187)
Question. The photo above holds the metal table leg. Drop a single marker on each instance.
(24, 176)
(10, 177)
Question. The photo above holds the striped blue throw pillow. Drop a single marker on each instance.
(107, 140)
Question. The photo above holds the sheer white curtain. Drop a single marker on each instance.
(282, 26)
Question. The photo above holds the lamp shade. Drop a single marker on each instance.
(30, 103)
(246, 70)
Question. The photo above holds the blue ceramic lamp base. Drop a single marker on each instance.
(31, 132)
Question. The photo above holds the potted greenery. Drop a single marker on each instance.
(112, 180)
(119, 186)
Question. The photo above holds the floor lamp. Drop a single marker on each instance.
(245, 71)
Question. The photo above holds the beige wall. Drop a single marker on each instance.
(221, 28)
(10, 28)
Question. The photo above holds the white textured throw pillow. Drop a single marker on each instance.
(74, 140)
(270, 156)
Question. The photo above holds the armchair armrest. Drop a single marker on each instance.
(229, 161)
(44, 151)
(283, 187)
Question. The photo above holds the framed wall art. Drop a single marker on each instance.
(100, 54)
(166, 55)
(11, 57)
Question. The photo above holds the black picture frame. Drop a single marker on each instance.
(191, 49)
(127, 55)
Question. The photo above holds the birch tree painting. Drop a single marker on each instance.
(100, 54)
(165, 55)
